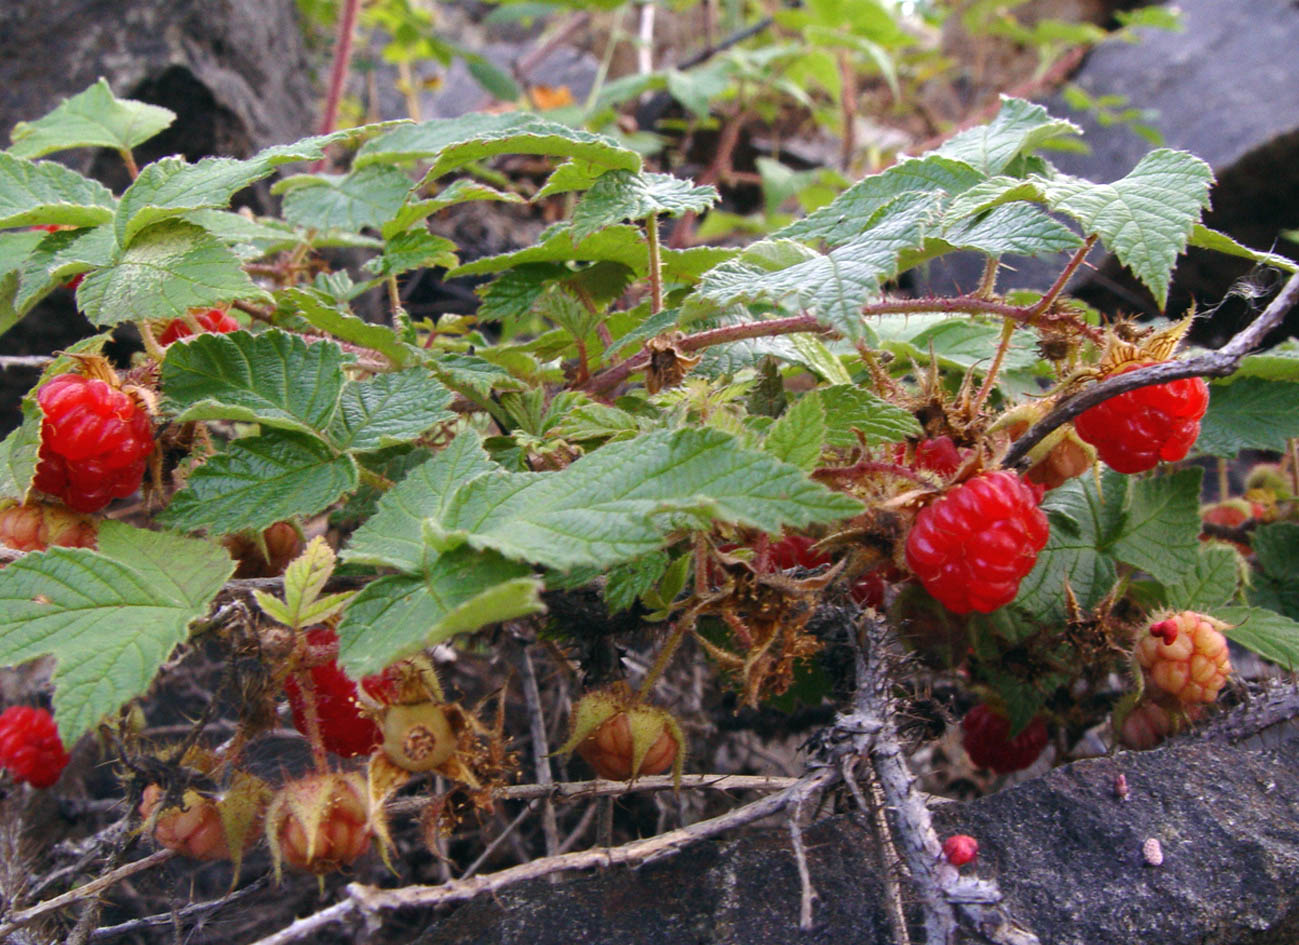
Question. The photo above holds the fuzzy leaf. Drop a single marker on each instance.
(414, 250)
(1206, 238)
(798, 435)
(305, 577)
(1016, 229)
(109, 617)
(463, 190)
(46, 192)
(625, 195)
(18, 455)
(343, 325)
(274, 378)
(1269, 634)
(369, 196)
(849, 407)
(1250, 413)
(1072, 554)
(1020, 127)
(1160, 529)
(1276, 585)
(448, 143)
(1145, 218)
(166, 270)
(1212, 583)
(260, 480)
(460, 592)
(389, 409)
(95, 118)
(57, 258)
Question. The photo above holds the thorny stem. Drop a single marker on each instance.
(655, 264)
(256, 311)
(1218, 363)
(1062, 280)
(151, 346)
(338, 73)
(990, 379)
(312, 717)
(540, 750)
(988, 283)
(394, 301)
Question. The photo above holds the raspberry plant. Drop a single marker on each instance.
(717, 441)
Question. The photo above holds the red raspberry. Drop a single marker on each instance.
(972, 547)
(1135, 430)
(36, 527)
(938, 455)
(1186, 656)
(985, 734)
(95, 442)
(960, 848)
(344, 729)
(214, 320)
(795, 551)
(30, 746)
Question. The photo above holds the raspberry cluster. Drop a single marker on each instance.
(985, 733)
(212, 320)
(30, 746)
(972, 547)
(95, 441)
(1135, 430)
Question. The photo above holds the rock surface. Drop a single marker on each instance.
(1066, 851)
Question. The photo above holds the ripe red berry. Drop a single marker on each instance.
(1135, 430)
(344, 729)
(960, 848)
(985, 733)
(95, 441)
(938, 455)
(972, 547)
(30, 746)
(213, 320)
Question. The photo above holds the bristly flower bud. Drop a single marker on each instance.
(319, 823)
(623, 739)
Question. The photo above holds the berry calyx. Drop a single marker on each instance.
(319, 823)
(972, 547)
(38, 526)
(1135, 430)
(985, 733)
(345, 730)
(95, 441)
(622, 739)
(193, 829)
(960, 848)
(30, 746)
(1186, 656)
(213, 320)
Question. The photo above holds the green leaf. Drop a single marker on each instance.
(394, 535)
(1145, 218)
(1212, 583)
(58, 257)
(458, 191)
(1019, 128)
(813, 354)
(109, 617)
(798, 435)
(1276, 585)
(95, 118)
(625, 195)
(18, 455)
(414, 250)
(1160, 531)
(369, 196)
(1016, 229)
(343, 325)
(1071, 555)
(958, 344)
(449, 143)
(389, 409)
(46, 192)
(260, 480)
(274, 378)
(460, 592)
(626, 582)
(1205, 238)
(622, 500)
(1269, 634)
(849, 408)
(472, 376)
(1278, 363)
(166, 270)
(596, 422)
(1252, 413)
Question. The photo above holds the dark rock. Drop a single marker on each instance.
(1222, 89)
(1066, 851)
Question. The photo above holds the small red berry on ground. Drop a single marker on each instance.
(344, 729)
(960, 848)
(30, 746)
(1137, 429)
(985, 733)
(972, 547)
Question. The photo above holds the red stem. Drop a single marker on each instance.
(338, 73)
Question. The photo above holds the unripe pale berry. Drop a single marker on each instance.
(1186, 656)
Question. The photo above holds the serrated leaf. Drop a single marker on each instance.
(95, 118)
(595, 422)
(1212, 583)
(1160, 532)
(393, 536)
(274, 378)
(324, 608)
(1016, 229)
(464, 190)
(626, 582)
(260, 480)
(849, 408)
(1020, 127)
(798, 435)
(1276, 585)
(367, 197)
(418, 249)
(472, 376)
(813, 354)
(1071, 554)
(1278, 363)
(46, 192)
(273, 607)
(572, 175)
(1269, 634)
(625, 195)
(460, 592)
(57, 258)
(1251, 413)
(389, 409)
(1205, 238)
(1145, 218)
(109, 617)
(959, 344)
(345, 326)
(448, 143)
(167, 269)
(18, 453)
(306, 576)
(620, 501)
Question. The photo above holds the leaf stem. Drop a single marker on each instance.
(664, 656)
(129, 160)
(1061, 280)
(990, 379)
(655, 264)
